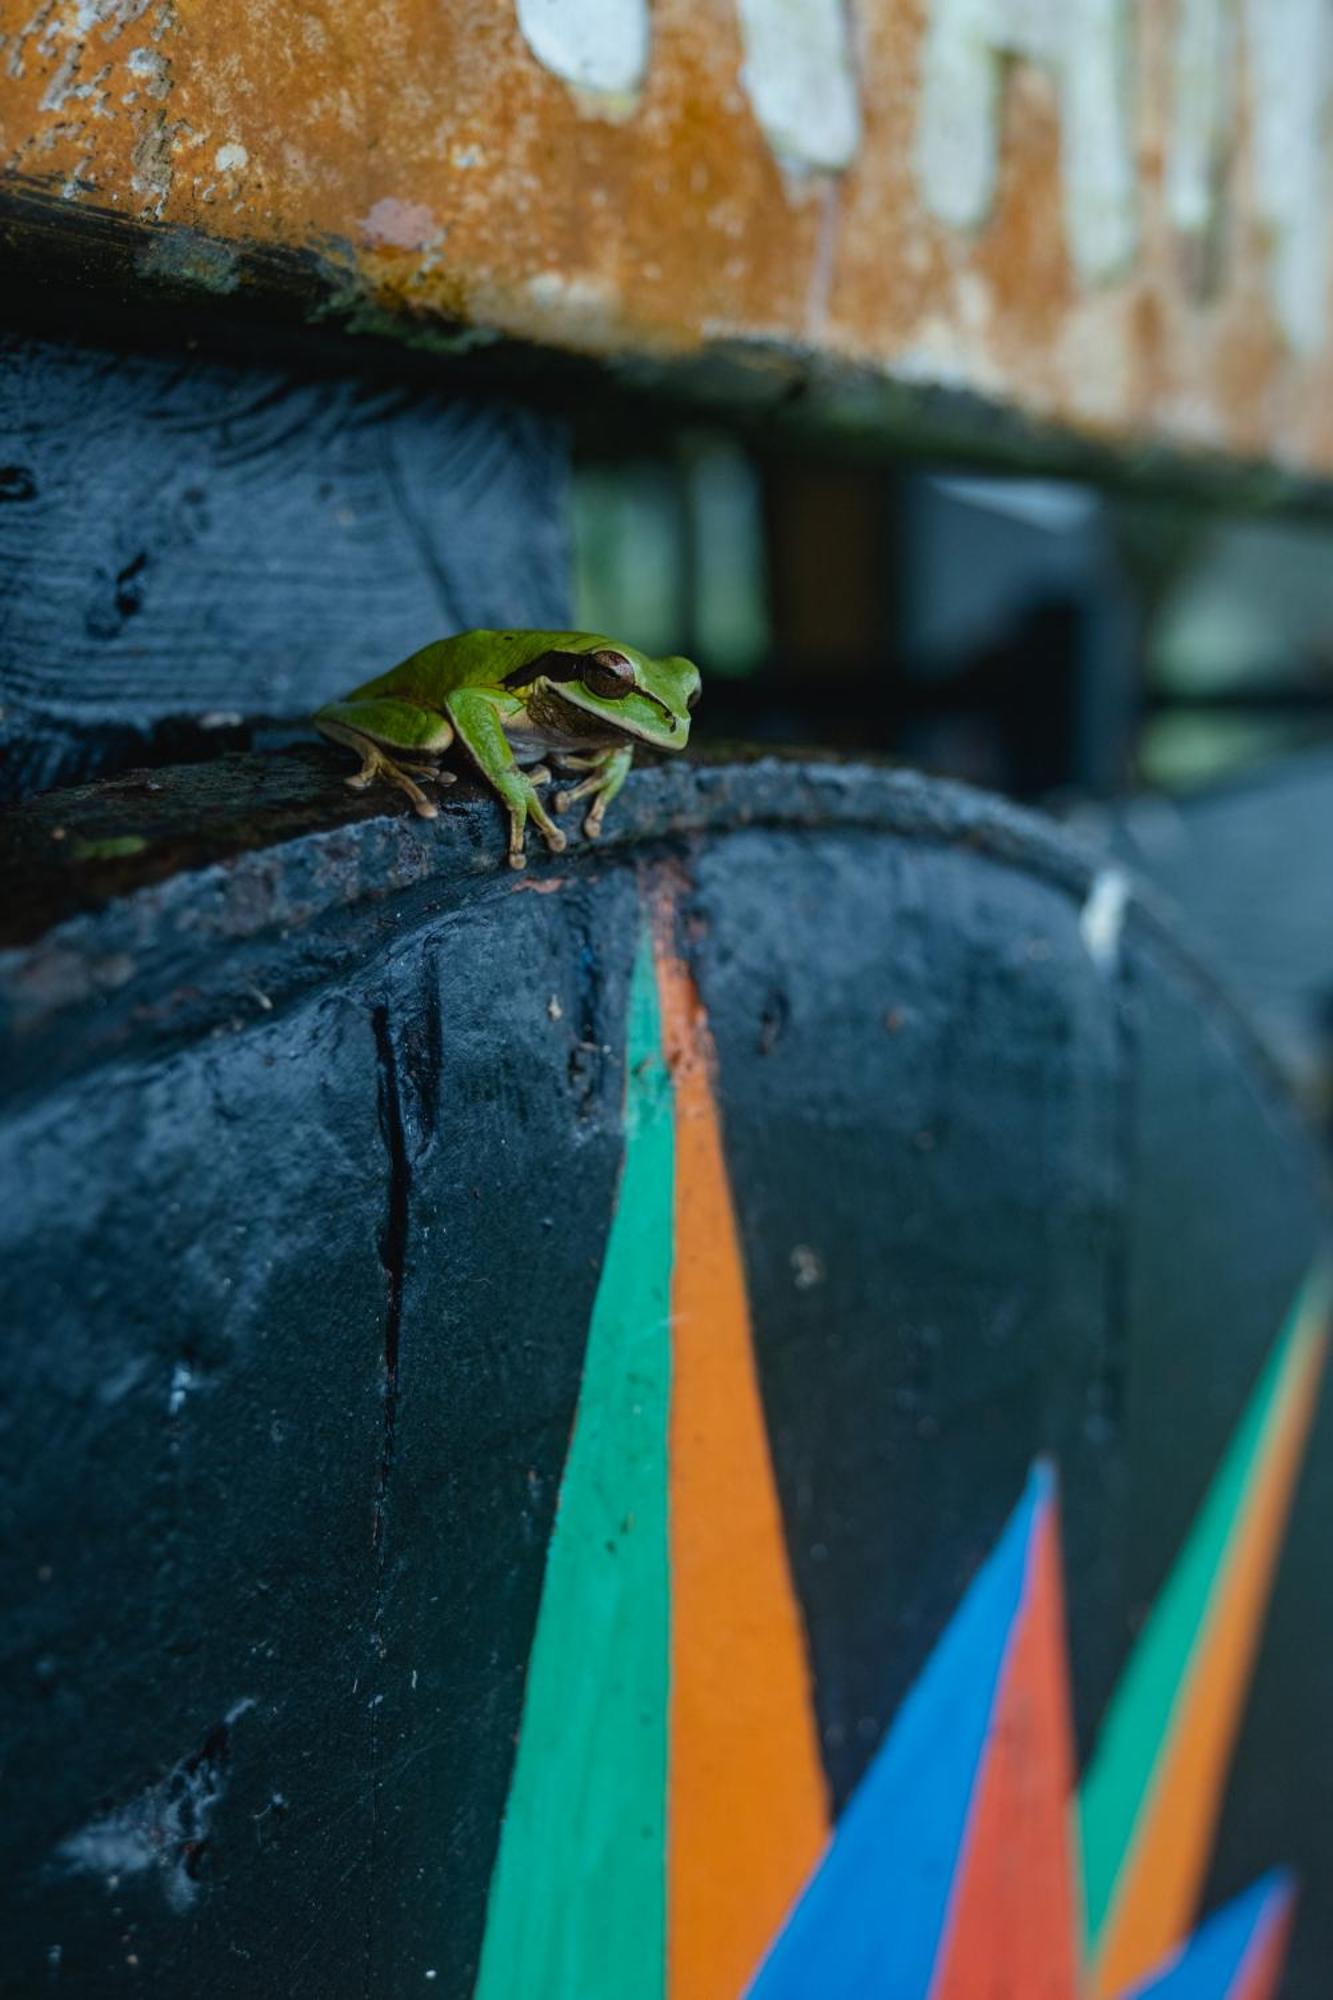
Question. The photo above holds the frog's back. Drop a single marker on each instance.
(480, 658)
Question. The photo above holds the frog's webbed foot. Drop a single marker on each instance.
(521, 809)
(608, 773)
(432, 773)
(358, 724)
(479, 723)
(375, 764)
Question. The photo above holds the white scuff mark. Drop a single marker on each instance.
(1102, 918)
(1084, 44)
(182, 1381)
(1290, 51)
(165, 1827)
(807, 1267)
(229, 159)
(599, 45)
(800, 78)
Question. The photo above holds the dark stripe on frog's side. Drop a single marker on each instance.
(553, 666)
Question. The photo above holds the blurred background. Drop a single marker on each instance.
(1158, 676)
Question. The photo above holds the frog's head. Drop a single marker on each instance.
(613, 691)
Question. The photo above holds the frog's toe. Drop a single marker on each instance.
(425, 809)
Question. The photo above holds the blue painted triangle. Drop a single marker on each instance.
(1210, 1964)
(870, 1919)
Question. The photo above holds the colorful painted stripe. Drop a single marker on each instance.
(1012, 1925)
(875, 1913)
(577, 1906)
(1151, 1799)
(669, 1645)
(1236, 1955)
(668, 1799)
(749, 1812)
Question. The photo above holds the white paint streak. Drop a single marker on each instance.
(1102, 918)
(799, 75)
(593, 44)
(1084, 44)
(1201, 112)
(1290, 49)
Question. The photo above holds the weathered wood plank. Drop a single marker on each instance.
(1108, 217)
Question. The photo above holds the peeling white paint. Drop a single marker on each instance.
(799, 75)
(1290, 52)
(1084, 44)
(594, 44)
(1289, 73)
(1202, 110)
(1101, 921)
(229, 159)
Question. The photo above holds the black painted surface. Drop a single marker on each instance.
(310, 1185)
(1244, 860)
(185, 542)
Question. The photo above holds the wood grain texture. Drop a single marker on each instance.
(184, 539)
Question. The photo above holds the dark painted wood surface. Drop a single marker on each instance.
(1244, 860)
(184, 543)
(310, 1131)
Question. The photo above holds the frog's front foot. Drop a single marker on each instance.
(521, 810)
(609, 774)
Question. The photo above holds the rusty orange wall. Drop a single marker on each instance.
(423, 146)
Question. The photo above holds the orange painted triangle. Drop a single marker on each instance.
(1012, 1925)
(747, 1806)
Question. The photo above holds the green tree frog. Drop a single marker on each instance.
(513, 699)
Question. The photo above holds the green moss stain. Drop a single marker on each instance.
(577, 1905)
(117, 847)
(1137, 1725)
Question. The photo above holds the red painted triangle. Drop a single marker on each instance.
(1264, 1961)
(1012, 1929)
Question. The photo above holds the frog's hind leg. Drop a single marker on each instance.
(368, 726)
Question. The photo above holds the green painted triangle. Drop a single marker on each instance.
(1137, 1723)
(577, 1905)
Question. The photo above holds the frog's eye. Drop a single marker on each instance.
(695, 692)
(608, 675)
